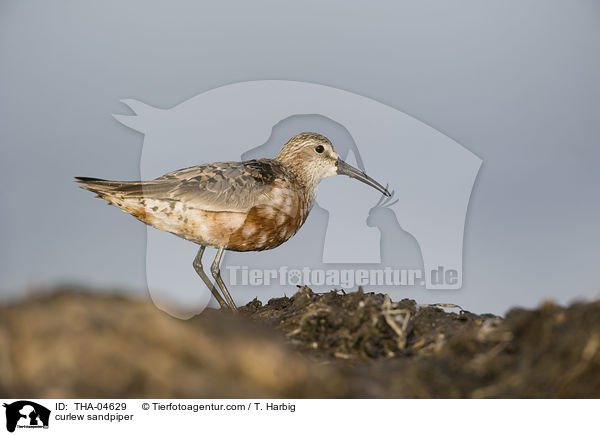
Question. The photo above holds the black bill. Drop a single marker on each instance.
(344, 168)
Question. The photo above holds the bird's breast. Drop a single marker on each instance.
(272, 222)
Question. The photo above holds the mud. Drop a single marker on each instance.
(73, 343)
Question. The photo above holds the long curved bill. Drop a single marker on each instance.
(344, 168)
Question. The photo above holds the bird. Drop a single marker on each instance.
(251, 205)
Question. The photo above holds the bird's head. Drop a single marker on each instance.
(312, 158)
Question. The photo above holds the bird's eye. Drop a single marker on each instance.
(319, 148)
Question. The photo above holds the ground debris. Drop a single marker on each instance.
(361, 325)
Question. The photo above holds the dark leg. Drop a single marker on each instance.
(200, 271)
(216, 273)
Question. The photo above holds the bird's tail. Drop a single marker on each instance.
(127, 195)
(116, 192)
(108, 190)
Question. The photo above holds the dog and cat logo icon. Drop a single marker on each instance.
(26, 414)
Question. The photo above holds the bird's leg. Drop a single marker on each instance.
(216, 273)
(200, 271)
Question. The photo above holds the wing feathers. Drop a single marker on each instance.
(225, 186)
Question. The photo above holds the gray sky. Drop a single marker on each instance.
(514, 82)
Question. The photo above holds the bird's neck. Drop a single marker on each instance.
(306, 177)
